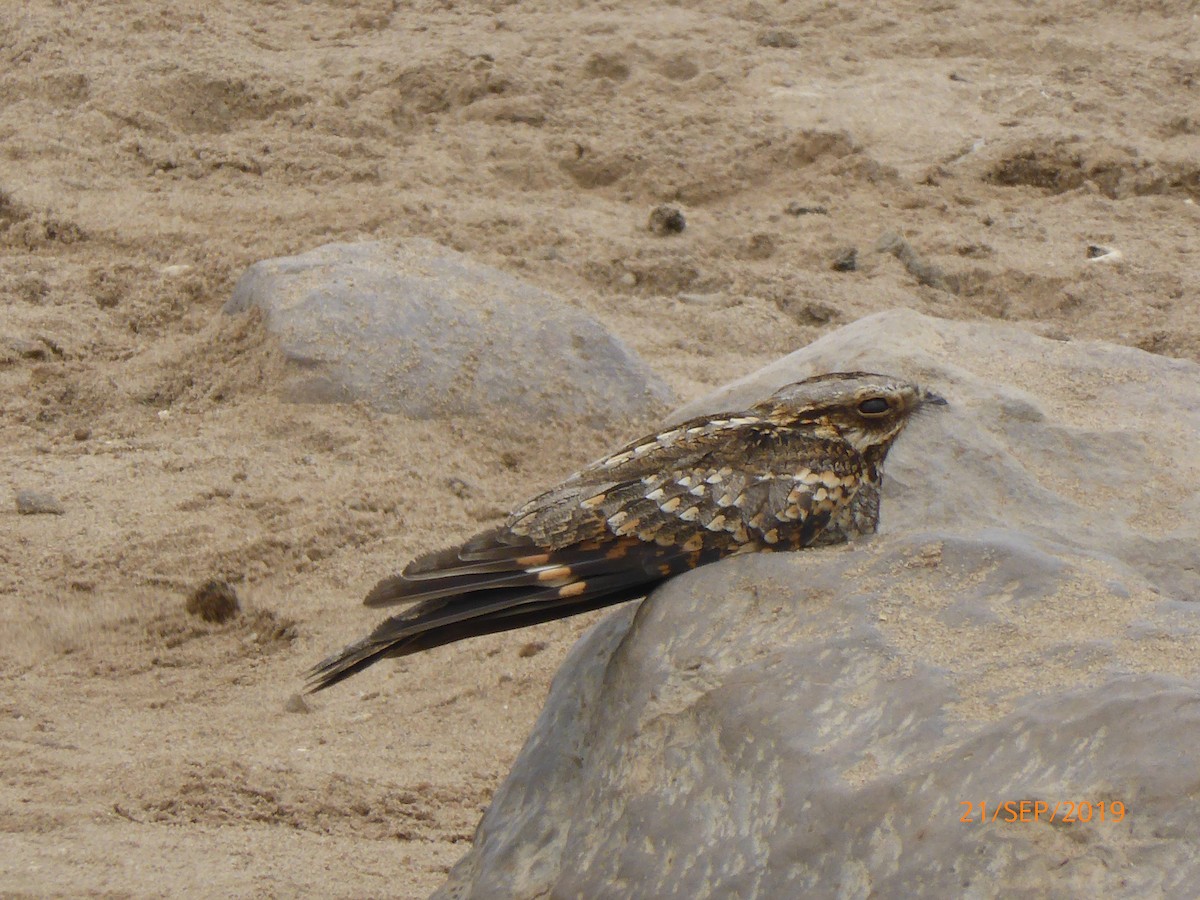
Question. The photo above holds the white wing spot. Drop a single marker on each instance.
(668, 436)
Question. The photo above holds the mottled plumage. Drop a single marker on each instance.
(802, 468)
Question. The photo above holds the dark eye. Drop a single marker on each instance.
(876, 406)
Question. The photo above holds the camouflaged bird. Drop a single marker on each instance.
(801, 469)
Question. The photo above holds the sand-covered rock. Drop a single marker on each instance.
(978, 696)
(418, 328)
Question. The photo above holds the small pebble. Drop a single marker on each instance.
(667, 219)
(35, 503)
(296, 704)
(846, 260)
(799, 209)
(1098, 253)
(533, 648)
(926, 273)
(778, 38)
(215, 601)
(82, 433)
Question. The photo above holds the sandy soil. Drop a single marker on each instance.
(149, 153)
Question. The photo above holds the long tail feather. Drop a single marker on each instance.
(618, 574)
(520, 567)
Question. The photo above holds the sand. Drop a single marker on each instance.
(149, 152)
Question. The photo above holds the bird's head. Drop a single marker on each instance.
(868, 411)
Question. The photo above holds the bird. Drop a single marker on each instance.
(802, 468)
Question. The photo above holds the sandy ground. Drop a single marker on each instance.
(149, 153)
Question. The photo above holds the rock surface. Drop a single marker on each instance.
(779, 726)
(38, 503)
(420, 329)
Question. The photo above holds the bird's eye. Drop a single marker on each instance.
(875, 406)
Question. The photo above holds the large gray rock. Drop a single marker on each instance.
(1087, 444)
(820, 724)
(421, 329)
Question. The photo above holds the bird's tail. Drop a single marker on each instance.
(492, 585)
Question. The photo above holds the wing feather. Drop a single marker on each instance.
(707, 489)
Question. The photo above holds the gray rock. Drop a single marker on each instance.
(420, 329)
(1084, 444)
(36, 503)
(925, 272)
(828, 723)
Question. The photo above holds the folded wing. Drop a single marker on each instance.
(609, 534)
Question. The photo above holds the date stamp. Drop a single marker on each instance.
(981, 812)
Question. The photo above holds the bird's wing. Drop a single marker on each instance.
(553, 518)
(609, 534)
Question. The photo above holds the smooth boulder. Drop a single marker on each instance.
(416, 328)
